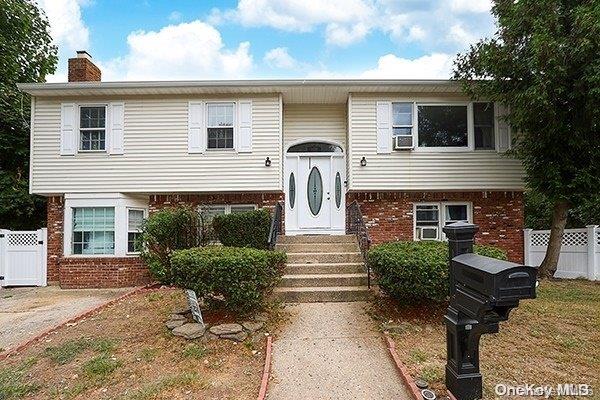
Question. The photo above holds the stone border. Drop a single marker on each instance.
(402, 370)
(71, 320)
(267, 370)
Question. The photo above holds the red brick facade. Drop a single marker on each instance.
(103, 272)
(389, 216)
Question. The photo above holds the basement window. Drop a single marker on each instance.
(430, 218)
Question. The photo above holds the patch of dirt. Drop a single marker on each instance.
(550, 340)
(126, 352)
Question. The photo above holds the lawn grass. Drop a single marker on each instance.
(546, 341)
(126, 353)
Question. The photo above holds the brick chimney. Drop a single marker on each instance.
(82, 69)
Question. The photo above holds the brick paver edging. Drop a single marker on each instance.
(71, 320)
(403, 371)
(266, 371)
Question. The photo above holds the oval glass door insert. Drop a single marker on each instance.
(338, 190)
(315, 191)
(292, 192)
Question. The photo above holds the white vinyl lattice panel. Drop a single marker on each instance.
(22, 239)
(569, 239)
(598, 237)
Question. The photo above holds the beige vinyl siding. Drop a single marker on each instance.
(413, 170)
(315, 121)
(156, 155)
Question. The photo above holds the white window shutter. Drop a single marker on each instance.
(196, 131)
(116, 123)
(384, 127)
(503, 136)
(244, 144)
(68, 129)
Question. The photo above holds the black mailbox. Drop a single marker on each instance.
(483, 290)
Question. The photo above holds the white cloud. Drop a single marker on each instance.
(459, 35)
(476, 6)
(341, 35)
(416, 33)
(175, 16)
(280, 58)
(390, 66)
(433, 66)
(68, 32)
(193, 50)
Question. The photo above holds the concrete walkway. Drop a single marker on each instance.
(27, 311)
(332, 351)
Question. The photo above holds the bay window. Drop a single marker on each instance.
(135, 218)
(430, 218)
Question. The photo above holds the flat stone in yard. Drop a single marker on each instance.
(226, 329)
(189, 331)
(181, 310)
(174, 323)
(237, 337)
(177, 317)
(253, 326)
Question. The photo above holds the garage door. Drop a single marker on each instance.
(23, 258)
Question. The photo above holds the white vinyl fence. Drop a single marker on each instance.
(23, 258)
(579, 254)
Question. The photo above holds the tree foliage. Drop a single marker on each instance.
(544, 63)
(26, 55)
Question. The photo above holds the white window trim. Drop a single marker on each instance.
(441, 216)
(145, 215)
(470, 128)
(106, 125)
(121, 204)
(235, 123)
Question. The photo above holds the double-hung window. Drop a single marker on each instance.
(93, 230)
(220, 121)
(135, 218)
(430, 218)
(92, 128)
(402, 119)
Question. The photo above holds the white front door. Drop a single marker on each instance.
(315, 194)
(314, 175)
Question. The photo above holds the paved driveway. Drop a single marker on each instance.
(25, 312)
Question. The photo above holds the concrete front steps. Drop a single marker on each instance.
(322, 268)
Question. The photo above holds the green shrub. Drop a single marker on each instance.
(171, 229)
(236, 278)
(417, 271)
(245, 229)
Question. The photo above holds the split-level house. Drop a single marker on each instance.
(415, 155)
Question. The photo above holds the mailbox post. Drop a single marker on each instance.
(483, 290)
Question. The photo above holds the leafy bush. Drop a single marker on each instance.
(417, 271)
(171, 229)
(237, 278)
(246, 229)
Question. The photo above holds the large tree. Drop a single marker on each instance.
(26, 55)
(544, 64)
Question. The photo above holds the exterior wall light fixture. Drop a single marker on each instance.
(363, 162)
(268, 162)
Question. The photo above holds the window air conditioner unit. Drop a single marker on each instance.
(403, 142)
(428, 233)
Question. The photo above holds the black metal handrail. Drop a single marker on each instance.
(356, 225)
(276, 225)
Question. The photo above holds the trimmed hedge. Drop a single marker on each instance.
(417, 271)
(236, 278)
(246, 229)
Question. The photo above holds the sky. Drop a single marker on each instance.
(266, 39)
